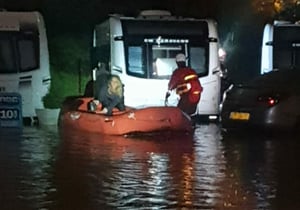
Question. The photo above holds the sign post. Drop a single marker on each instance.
(10, 110)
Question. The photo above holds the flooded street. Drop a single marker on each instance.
(42, 168)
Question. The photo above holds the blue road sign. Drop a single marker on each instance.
(10, 110)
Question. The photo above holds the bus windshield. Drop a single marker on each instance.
(286, 47)
(151, 46)
(19, 52)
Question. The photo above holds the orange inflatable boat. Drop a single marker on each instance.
(75, 115)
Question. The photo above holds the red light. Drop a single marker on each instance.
(268, 100)
(271, 101)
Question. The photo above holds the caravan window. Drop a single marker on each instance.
(286, 47)
(151, 47)
(135, 62)
(7, 56)
(28, 51)
(198, 56)
(18, 52)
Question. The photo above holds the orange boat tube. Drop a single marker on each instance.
(75, 115)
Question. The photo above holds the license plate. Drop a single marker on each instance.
(239, 116)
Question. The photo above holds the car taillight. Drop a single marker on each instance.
(268, 100)
(272, 101)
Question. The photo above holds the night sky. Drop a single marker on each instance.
(82, 12)
(236, 18)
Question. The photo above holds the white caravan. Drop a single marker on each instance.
(24, 58)
(280, 46)
(142, 50)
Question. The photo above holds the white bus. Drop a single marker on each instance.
(24, 58)
(142, 50)
(280, 46)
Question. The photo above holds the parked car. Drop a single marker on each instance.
(269, 101)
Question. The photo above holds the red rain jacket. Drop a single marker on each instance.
(187, 85)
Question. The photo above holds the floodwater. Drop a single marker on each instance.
(44, 168)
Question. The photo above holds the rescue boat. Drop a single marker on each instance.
(76, 115)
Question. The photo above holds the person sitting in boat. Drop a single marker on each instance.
(187, 85)
(110, 95)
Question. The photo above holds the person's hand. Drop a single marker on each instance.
(166, 102)
(168, 93)
(103, 111)
(166, 97)
(96, 101)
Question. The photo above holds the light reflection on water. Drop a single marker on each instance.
(44, 169)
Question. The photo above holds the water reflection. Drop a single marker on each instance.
(134, 172)
(170, 172)
(263, 166)
(26, 167)
(44, 169)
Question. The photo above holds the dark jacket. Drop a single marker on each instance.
(108, 100)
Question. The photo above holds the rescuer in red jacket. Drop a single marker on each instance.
(187, 85)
